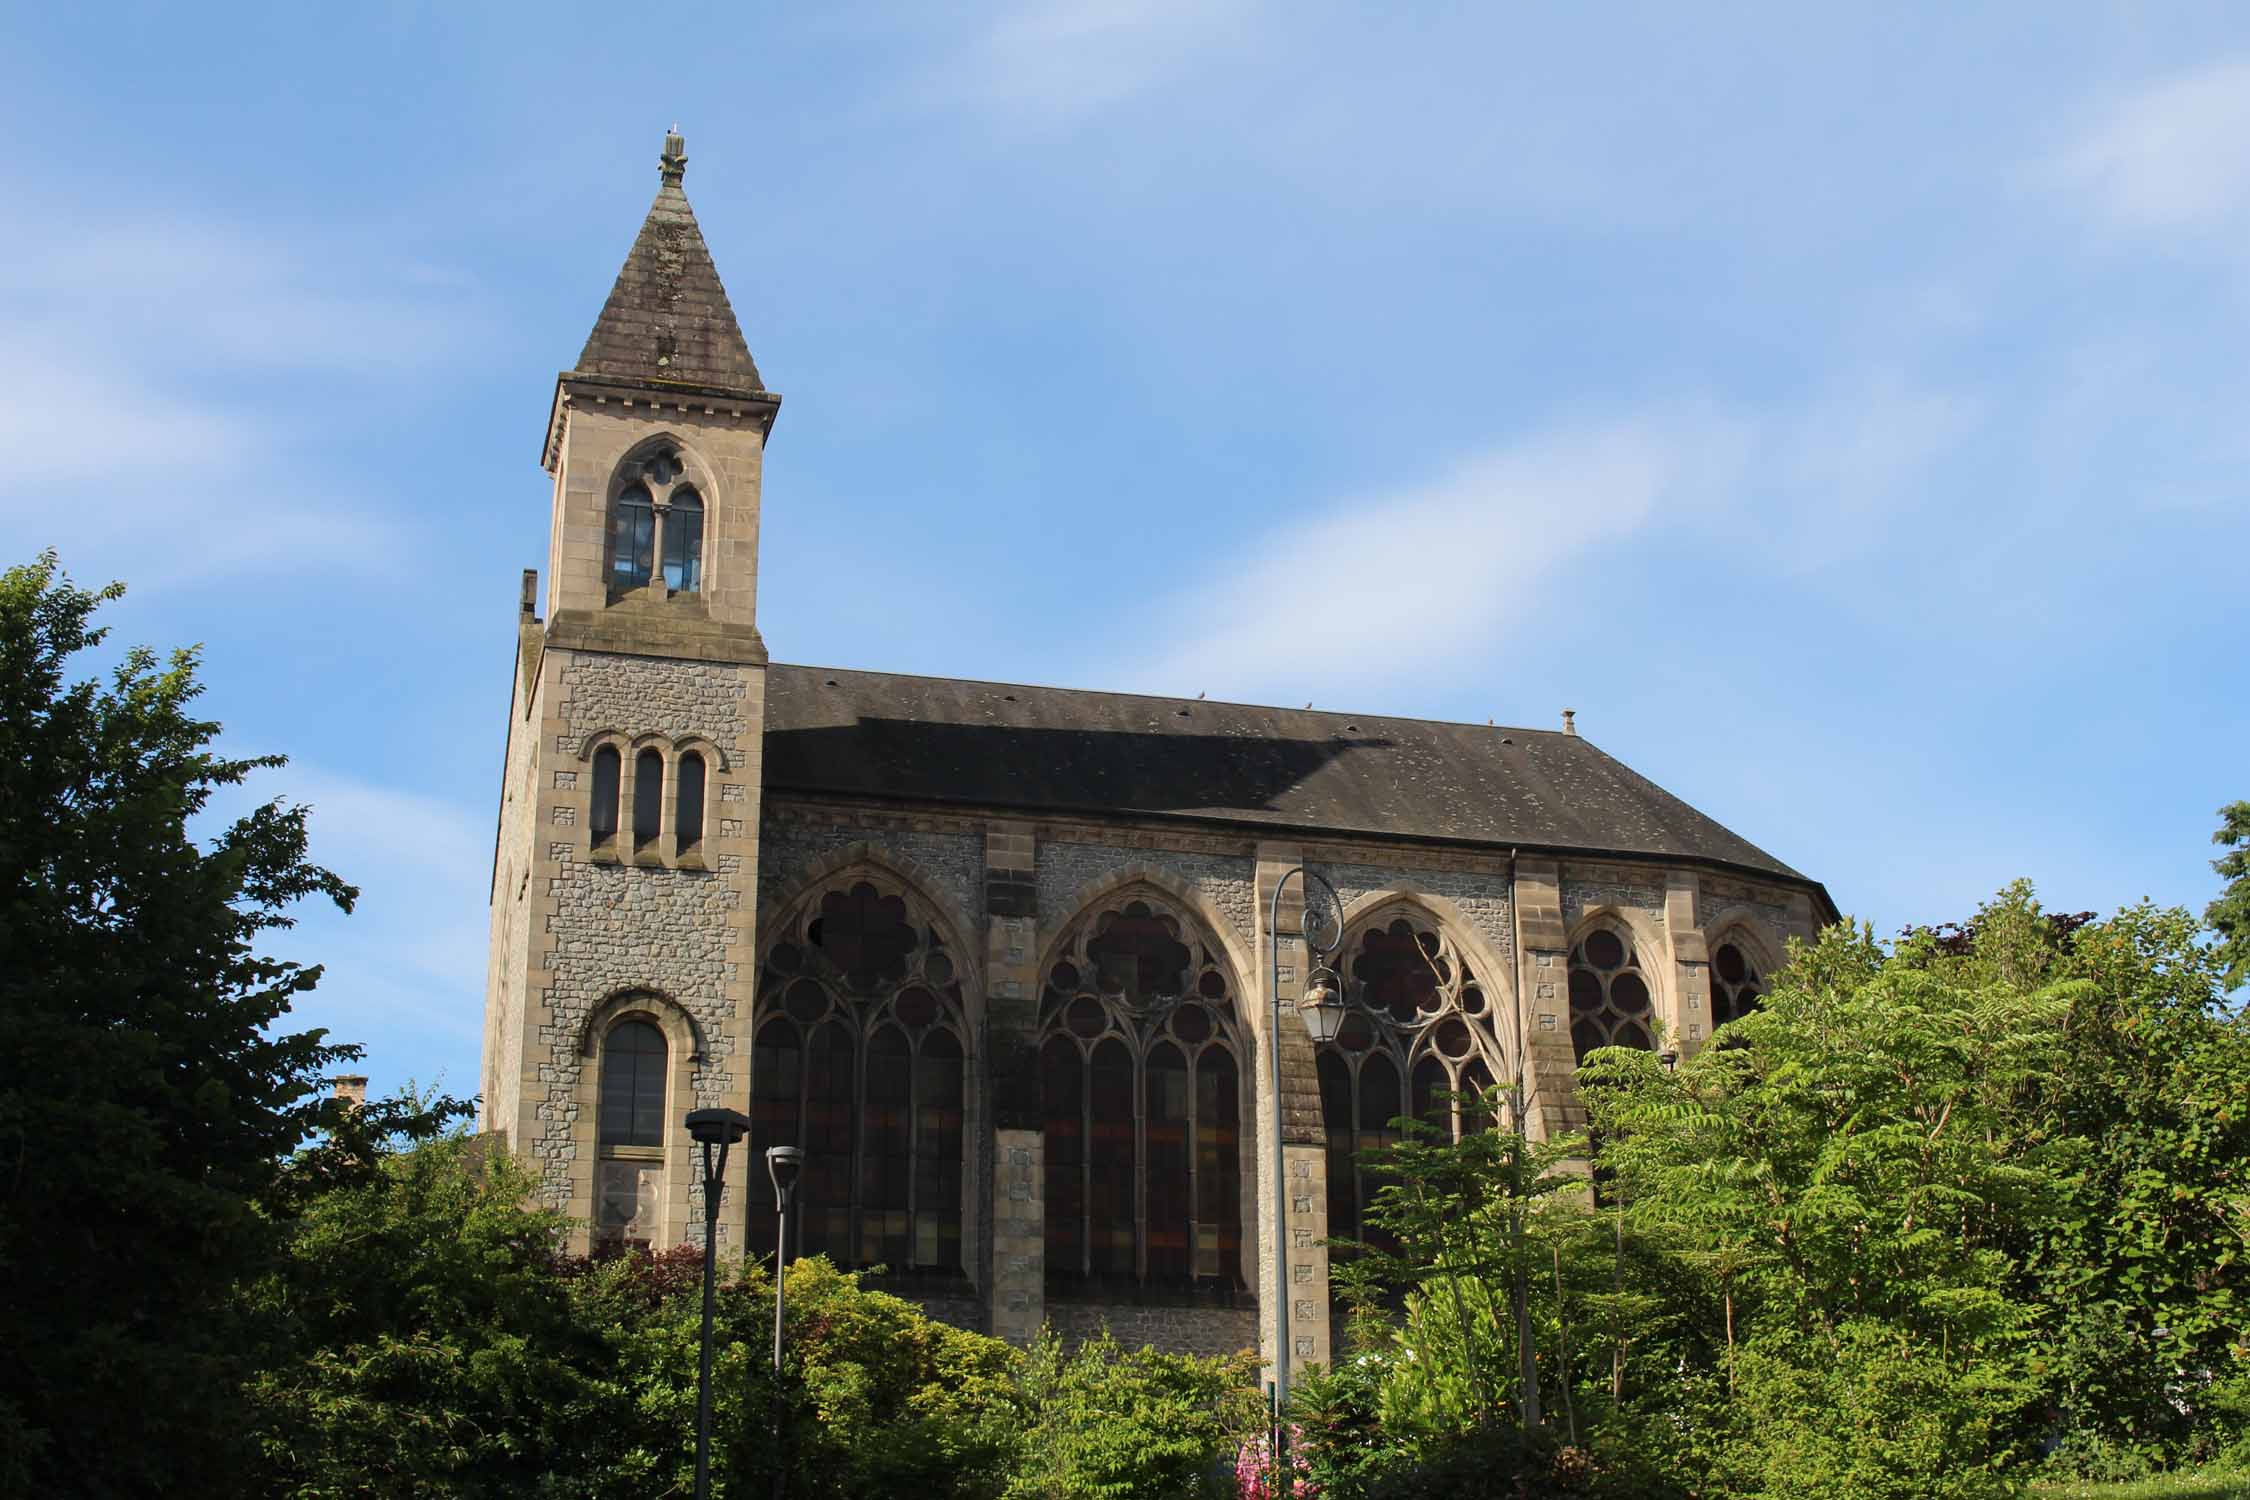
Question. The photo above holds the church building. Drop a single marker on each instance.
(1002, 959)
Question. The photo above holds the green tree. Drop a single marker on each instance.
(149, 1093)
(1106, 1423)
(2229, 915)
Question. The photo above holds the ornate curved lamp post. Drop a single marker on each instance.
(709, 1128)
(783, 1165)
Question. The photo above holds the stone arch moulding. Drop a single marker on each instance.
(679, 745)
(1115, 888)
(922, 884)
(1741, 923)
(698, 471)
(676, 1021)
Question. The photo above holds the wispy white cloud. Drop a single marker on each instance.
(1422, 570)
(2170, 156)
(1046, 64)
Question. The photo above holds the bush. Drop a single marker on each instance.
(1102, 1423)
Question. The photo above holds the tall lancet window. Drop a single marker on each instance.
(683, 542)
(632, 539)
(629, 1166)
(602, 816)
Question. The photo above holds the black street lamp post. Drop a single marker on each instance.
(710, 1128)
(783, 1163)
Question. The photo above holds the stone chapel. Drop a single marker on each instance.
(998, 957)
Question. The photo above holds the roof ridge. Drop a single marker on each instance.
(667, 317)
(1042, 687)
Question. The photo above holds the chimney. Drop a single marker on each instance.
(351, 1088)
(1570, 721)
(530, 601)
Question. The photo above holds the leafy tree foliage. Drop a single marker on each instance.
(147, 1094)
(2229, 915)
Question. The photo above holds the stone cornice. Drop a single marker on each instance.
(572, 387)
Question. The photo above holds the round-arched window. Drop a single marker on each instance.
(1735, 985)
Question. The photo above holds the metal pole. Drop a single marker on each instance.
(711, 1184)
(780, 1300)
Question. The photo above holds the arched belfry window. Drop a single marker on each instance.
(687, 812)
(1420, 1027)
(1141, 1075)
(656, 526)
(629, 1137)
(1610, 1001)
(860, 1058)
(1735, 984)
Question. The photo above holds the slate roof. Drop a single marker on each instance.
(1058, 750)
(668, 320)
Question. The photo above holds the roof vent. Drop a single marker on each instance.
(831, 682)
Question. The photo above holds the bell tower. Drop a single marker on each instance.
(624, 892)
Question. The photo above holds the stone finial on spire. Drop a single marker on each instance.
(673, 163)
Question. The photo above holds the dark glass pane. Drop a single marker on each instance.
(1336, 1114)
(1191, 1023)
(1472, 1000)
(688, 817)
(1357, 1034)
(1586, 1036)
(1634, 1034)
(632, 1107)
(1170, 1256)
(1427, 1095)
(632, 538)
(648, 795)
(1476, 1082)
(1728, 961)
(824, 1190)
(1138, 954)
(864, 933)
(602, 816)
(1110, 1160)
(1397, 972)
(1211, 986)
(776, 1079)
(1087, 1017)
(937, 1153)
(915, 1007)
(683, 543)
(938, 969)
(1062, 1106)
(1378, 1105)
(886, 1157)
(1629, 994)
(1604, 950)
(1452, 1038)
(1585, 991)
(1218, 1168)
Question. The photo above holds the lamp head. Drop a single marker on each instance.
(717, 1127)
(1671, 1060)
(1323, 1005)
(783, 1165)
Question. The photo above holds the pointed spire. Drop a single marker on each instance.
(668, 319)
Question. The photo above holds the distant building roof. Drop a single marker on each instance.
(668, 320)
(1059, 750)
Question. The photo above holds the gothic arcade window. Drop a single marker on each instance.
(1735, 985)
(629, 1138)
(1420, 1028)
(1141, 1094)
(656, 527)
(687, 814)
(860, 1059)
(601, 818)
(1610, 1004)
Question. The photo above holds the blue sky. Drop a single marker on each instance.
(1842, 409)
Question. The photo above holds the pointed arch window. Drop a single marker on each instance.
(683, 542)
(629, 1135)
(1421, 1029)
(861, 1059)
(1140, 1085)
(1610, 1000)
(1735, 984)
